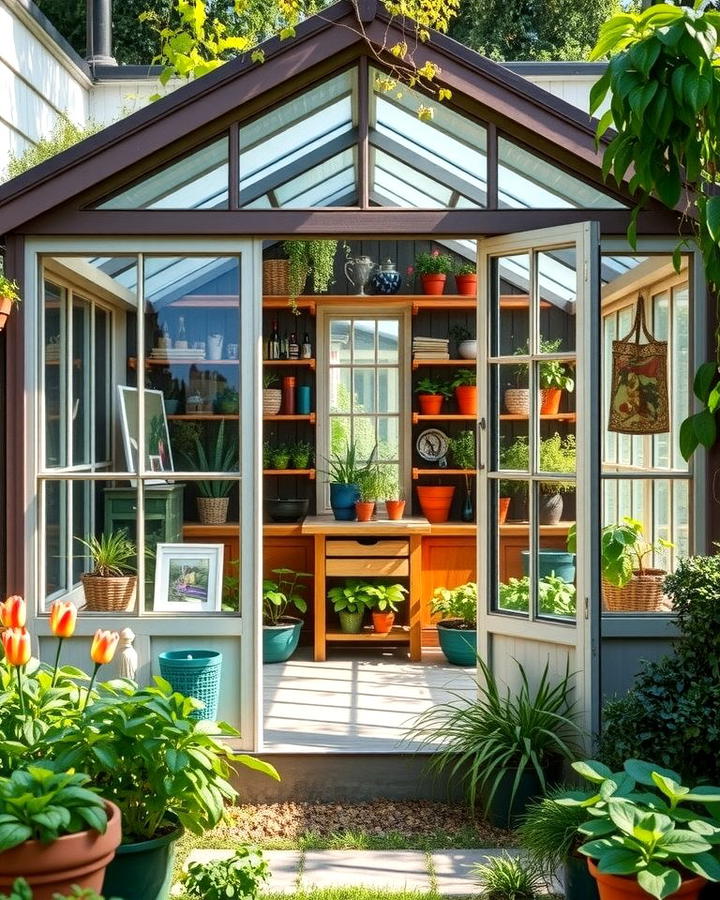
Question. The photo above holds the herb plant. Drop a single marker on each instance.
(280, 595)
(239, 877)
(385, 596)
(463, 450)
(370, 482)
(429, 385)
(464, 378)
(111, 555)
(9, 290)
(556, 597)
(300, 454)
(456, 603)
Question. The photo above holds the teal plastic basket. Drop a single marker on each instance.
(195, 673)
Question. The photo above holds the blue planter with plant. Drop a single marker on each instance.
(281, 641)
(344, 473)
(551, 562)
(281, 632)
(343, 498)
(457, 631)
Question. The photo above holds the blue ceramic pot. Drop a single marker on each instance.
(280, 641)
(552, 562)
(458, 644)
(386, 279)
(343, 498)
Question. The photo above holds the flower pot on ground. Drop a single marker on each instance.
(457, 629)
(144, 869)
(395, 509)
(384, 599)
(433, 268)
(281, 632)
(9, 296)
(55, 831)
(350, 600)
(435, 501)
(109, 586)
(464, 385)
(272, 396)
(430, 393)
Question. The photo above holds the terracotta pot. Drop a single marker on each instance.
(364, 510)
(435, 502)
(433, 284)
(5, 309)
(466, 285)
(395, 509)
(73, 859)
(466, 399)
(383, 621)
(504, 506)
(625, 887)
(430, 404)
(550, 401)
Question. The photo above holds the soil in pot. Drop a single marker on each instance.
(280, 641)
(459, 644)
(466, 285)
(435, 502)
(433, 284)
(625, 887)
(72, 859)
(143, 871)
(550, 401)
(364, 510)
(430, 404)
(550, 508)
(503, 507)
(383, 621)
(395, 509)
(351, 623)
(466, 399)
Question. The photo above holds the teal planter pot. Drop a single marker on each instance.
(552, 562)
(142, 871)
(577, 880)
(458, 644)
(280, 641)
(342, 501)
(351, 623)
(195, 673)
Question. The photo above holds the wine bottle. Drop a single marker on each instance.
(293, 347)
(274, 342)
(306, 352)
(181, 342)
(284, 343)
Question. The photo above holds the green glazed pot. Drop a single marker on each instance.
(458, 644)
(142, 871)
(280, 641)
(351, 623)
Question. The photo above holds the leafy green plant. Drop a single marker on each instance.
(370, 482)
(458, 603)
(498, 736)
(39, 804)
(433, 263)
(548, 831)
(316, 257)
(9, 290)
(345, 468)
(554, 373)
(464, 378)
(228, 401)
(463, 450)
(353, 596)
(557, 454)
(637, 827)
(270, 379)
(111, 554)
(279, 595)
(463, 268)
(223, 457)
(300, 454)
(430, 385)
(21, 890)
(623, 550)
(556, 597)
(385, 596)
(509, 878)
(239, 877)
(280, 456)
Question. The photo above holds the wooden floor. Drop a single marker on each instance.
(355, 702)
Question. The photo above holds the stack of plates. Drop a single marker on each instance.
(184, 355)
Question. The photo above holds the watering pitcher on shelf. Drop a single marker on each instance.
(362, 268)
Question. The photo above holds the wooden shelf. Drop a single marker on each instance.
(310, 363)
(416, 473)
(420, 363)
(309, 473)
(554, 417)
(132, 362)
(397, 634)
(204, 417)
(417, 418)
(310, 418)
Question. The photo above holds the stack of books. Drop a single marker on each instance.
(430, 348)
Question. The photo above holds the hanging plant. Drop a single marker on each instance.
(316, 258)
(663, 84)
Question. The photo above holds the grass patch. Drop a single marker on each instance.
(465, 838)
(355, 893)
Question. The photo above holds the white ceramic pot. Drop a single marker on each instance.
(467, 349)
(214, 346)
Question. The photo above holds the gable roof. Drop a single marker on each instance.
(196, 111)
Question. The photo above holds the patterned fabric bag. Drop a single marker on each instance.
(639, 391)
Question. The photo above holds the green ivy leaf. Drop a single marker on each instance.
(704, 378)
(705, 428)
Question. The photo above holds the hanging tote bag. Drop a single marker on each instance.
(639, 392)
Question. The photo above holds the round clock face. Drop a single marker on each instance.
(432, 444)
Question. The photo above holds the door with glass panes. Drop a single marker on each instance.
(539, 456)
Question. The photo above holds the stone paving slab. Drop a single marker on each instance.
(393, 870)
(453, 870)
(284, 865)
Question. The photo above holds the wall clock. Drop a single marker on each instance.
(432, 445)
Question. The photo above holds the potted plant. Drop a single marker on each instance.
(55, 831)
(370, 486)
(109, 586)
(457, 628)
(300, 455)
(227, 402)
(466, 280)
(431, 393)
(384, 599)
(504, 748)
(214, 496)
(465, 386)
(394, 499)
(350, 600)
(280, 457)
(435, 501)
(272, 396)
(645, 832)
(306, 257)
(465, 342)
(554, 379)
(343, 472)
(281, 632)
(627, 583)
(557, 454)
(464, 456)
(513, 458)
(556, 597)
(241, 876)
(433, 268)
(9, 295)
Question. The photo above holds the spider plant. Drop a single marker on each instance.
(111, 554)
(508, 878)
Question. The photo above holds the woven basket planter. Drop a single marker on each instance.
(272, 401)
(115, 594)
(517, 401)
(275, 277)
(213, 510)
(643, 593)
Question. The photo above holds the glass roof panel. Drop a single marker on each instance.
(526, 181)
(396, 184)
(285, 152)
(197, 181)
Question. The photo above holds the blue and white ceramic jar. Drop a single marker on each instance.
(386, 279)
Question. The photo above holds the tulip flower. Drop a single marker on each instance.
(104, 645)
(13, 612)
(16, 643)
(63, 616)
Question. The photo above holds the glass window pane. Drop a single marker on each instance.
(55, 375)
(388, 437)
(364, 391)
(82, 375)
(388, 390)
(511, 315)
(339, 390)
(388, 342)
(364, 340)
(340, 341)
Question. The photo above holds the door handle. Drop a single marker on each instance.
(482, 426)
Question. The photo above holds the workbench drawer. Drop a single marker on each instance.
(359, 567)
(367, 547)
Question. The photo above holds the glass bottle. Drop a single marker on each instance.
(306, 352)
(274, 342)
(284, 344)
(165, 341)
(293, 347)
(181, 342)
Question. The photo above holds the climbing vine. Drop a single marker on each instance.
(663, 84)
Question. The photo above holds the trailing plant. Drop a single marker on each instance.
(664, 89)
(556, 597)
(280, 595)
(430, 385)
(549, 831)
(464, 378)
(352, 597)
(316, 257)
(222, 458)
(500, 736)
(9, 290)
(637, 827)
(385, 596)
(111, 554)
(433, 263)
(238, 877)
(507, 877)
(458, 603)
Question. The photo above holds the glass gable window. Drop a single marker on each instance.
(526, 181)
(197, 181)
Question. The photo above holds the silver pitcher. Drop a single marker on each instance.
(362, 268)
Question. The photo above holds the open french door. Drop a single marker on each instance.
(538, 316)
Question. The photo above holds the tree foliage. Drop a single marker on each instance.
(663, 83)
(532, 29)
(64, 134)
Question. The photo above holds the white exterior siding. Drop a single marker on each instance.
(111, 100)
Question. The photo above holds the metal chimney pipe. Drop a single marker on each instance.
(99, 33)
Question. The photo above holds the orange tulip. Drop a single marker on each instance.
(16, 642)
(103, 646)
(13, 612)
(63, 617)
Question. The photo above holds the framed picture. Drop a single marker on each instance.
(158, 454)
(188, 578)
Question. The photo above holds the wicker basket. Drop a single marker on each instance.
(213, 510)
(275, 277)
(517, 401)
(104, 594)
(272, 401)
(643, 593)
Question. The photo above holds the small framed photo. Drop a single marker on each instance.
(156, 463)
(188, 578)
(158, 453)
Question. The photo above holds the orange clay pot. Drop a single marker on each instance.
(466, 399)
(504, 506)
(435, 502)
(625, 887)
(383, 621)
(364, 510)
(433, 284)
(395, 509)
(430, 404)
(550, 401)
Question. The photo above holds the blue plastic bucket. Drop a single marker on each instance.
(195, 673)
